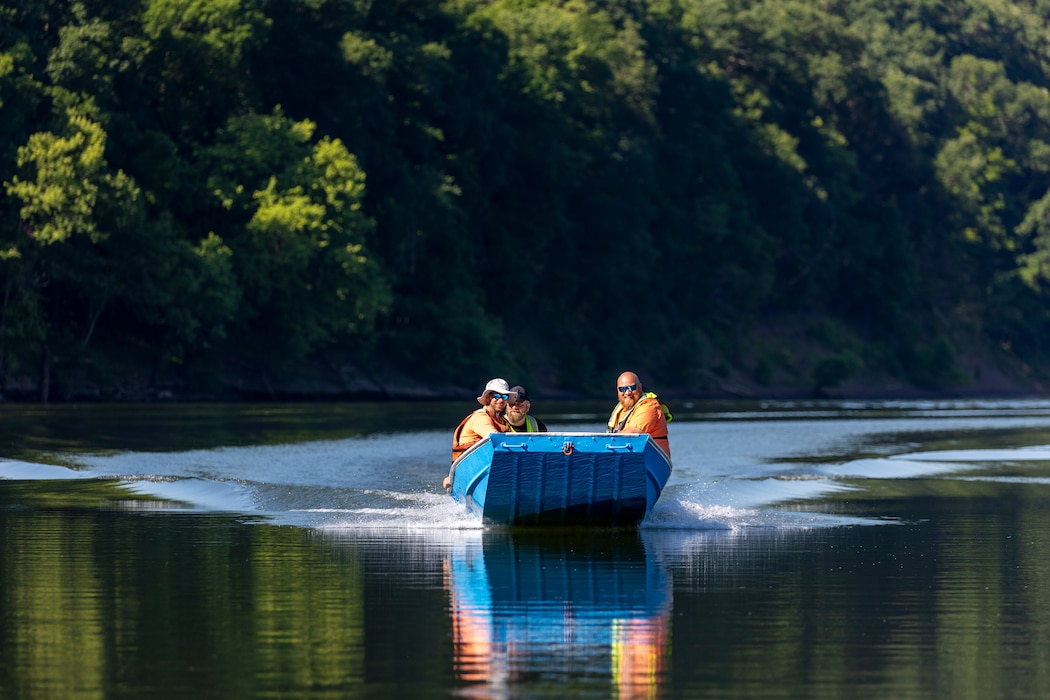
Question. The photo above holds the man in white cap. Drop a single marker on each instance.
(483, 422)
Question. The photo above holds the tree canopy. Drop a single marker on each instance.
(554, 191)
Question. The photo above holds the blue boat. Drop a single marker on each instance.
(595, 479)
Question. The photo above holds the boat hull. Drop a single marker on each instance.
(594, 479)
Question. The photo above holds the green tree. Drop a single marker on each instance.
(71, 201)
(296, 232)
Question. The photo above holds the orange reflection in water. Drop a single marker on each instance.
(503, 643)
(639, 646)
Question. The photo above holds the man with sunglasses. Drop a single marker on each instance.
(638, 412)
(484, 421)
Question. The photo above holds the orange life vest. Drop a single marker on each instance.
(459, 446)
(658, 429)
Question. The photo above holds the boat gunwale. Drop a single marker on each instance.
(465, 495)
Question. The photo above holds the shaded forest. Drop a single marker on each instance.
(405, 197)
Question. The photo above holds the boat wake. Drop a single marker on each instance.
(358, 484)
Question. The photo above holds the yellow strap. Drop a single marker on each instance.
(663, 407)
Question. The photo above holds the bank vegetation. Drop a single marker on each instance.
(356, 197)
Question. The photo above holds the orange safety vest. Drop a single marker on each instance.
(618, 420)
(459, 447)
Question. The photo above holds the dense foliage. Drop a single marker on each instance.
(548, 190)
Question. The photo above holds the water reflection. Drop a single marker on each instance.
(336, 567)
(593, 608)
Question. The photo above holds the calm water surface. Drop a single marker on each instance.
(800, 550)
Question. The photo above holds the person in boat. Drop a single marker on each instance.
(488, 419)
(518, 418)
(639, 411)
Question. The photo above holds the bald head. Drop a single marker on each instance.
(628, 389)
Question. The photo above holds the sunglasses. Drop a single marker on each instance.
(500, 396)
(629, 387)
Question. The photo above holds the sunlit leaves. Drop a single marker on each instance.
(82, 61)
(367, 55)
(299, 248)
(573, 52)
(1035, 265)
(63, 175)
(226, 27)
(20, 92)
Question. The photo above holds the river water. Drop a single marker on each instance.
(883, 549)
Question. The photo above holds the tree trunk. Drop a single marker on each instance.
(45, 374)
